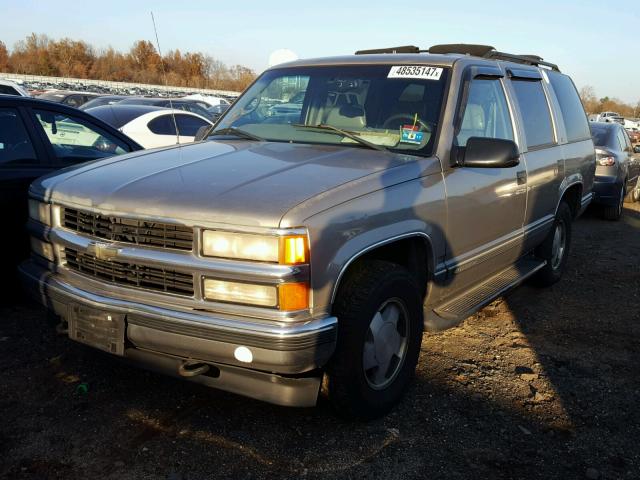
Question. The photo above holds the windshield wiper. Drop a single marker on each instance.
(345, 133)
(236, 132)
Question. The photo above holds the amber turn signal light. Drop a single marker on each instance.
(294, 250)
(293, 296)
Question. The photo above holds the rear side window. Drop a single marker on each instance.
(188, 125)
(535, 112)
(15, 144)
(7, 90)
(162, 125)
(575, 120)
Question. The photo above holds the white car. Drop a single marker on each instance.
(208, 99)
(151, 126)
(7, 87)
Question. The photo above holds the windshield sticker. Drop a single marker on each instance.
(410, 134)
(424, 72)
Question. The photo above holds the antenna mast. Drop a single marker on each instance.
(164, 78)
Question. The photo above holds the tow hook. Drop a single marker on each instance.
(190, 368)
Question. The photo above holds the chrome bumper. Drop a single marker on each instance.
(169, 337)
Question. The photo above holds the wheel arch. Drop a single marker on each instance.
(412, 250)
(572, 194)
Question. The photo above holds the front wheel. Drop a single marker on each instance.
(555, 248)
(379, 310)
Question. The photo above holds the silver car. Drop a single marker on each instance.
(617, 169)
(284, 257)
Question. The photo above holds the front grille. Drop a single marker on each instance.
(128, 230)
(129, 274)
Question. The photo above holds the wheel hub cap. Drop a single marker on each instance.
(385, 344)
(559, 244)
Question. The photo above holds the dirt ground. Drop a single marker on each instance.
(540, 384)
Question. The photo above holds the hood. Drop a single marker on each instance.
(233, 182)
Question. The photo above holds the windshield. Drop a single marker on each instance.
(395, 107)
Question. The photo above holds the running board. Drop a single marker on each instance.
(454, 311)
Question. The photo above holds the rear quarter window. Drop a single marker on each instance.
(534, 110)
(575, 119)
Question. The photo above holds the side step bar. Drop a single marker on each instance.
(454, 311)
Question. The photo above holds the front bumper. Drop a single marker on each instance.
(164, 338)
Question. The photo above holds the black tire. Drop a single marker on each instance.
(552, 271)
(614, 212)
(368, 287)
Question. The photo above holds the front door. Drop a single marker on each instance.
(485, 206)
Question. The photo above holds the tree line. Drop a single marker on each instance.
(593, 105)
(41, 55)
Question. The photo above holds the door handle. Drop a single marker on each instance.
(521, 176)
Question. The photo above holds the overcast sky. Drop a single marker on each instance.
(596, 42)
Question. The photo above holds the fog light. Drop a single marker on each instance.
(243, 354)
(42, 249)
(236, 292)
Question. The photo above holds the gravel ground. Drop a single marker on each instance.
(539, 384)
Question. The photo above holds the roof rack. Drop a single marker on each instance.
(404, 49)
(483, 51)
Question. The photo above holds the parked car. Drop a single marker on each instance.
(192, 106)
(277, 257)
(634, 134)
(210, 100)
(103, 100)
(72, 99)
(151, 126)
(36, 138)
(216, 111)
(7, 87)
(617, 168)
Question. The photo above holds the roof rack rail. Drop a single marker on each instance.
(487, 51)
(404, 49)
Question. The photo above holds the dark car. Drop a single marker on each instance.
(616, 167)
(72, 99)
(36, 138)
(103, 100)
(217, 110)
(176, 103)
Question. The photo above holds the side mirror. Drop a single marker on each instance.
(202, 133)
(636, 149)
(483, 152)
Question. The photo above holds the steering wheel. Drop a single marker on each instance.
(391, 121)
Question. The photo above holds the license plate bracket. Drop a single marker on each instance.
(98, 328)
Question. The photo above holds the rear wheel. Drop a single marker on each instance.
(555, 248)
(379, 310)
(614, 212)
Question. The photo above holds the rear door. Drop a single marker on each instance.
(22, 160)
(541, 152)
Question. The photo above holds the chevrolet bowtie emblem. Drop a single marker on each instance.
(103, 251)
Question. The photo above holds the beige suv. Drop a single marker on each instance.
(304, 250)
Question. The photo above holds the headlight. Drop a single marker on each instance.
(40, 211)
(42, 249)
(289, 250)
